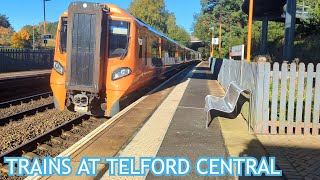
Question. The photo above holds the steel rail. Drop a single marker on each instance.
(20, 115)
(33, 143)
(24, 99)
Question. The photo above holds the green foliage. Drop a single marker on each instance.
(4, 21)
(234, 30)
(175, 32)
(233, 24)
(154, 13)
(37, 34)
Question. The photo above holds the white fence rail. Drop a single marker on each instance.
(282, 102)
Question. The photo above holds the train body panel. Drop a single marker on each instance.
(103, 54)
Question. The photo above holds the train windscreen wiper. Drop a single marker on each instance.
(125, 52)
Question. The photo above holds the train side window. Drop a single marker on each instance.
(118, 38)
(146, 51)
(155, 49)
(140, 44)
(63, 34)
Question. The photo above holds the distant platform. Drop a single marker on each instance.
(23, 74)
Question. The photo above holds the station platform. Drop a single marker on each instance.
(23, 74)
(167, 122)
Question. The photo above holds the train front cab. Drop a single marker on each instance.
(92, 66)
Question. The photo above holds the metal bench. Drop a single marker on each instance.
(225, 104)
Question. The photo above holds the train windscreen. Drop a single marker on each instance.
(63, 34)
(118, 38)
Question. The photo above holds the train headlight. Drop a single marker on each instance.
(120, 73)
(58, 67)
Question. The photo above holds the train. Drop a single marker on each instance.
(103, 54)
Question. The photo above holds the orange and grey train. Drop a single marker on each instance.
(103, 54)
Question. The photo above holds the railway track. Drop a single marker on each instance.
(28, 112)
(24, 99)
(60, 138)
(56, 140)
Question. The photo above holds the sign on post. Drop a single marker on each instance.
(45, 41)
(237, 51)
(48, 36)
(215, 41)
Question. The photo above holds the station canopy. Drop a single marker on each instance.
(273, 9)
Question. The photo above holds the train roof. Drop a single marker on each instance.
(150, 28)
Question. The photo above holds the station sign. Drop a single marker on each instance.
(237, 51)
(48, 36)
(215, 41)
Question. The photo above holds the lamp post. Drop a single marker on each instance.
(220, 30)
(212, 45)
(250, 30)
(44, 18)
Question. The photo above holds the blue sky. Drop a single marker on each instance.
(22, 12)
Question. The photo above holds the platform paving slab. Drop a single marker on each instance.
(22, 74)
(297, 156)
(187, 135)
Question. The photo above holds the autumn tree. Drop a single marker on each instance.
(152, 12)
(5, 36)
(37, 35)
(20, 39)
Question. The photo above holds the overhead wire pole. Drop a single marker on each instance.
(44, 18)
(250, 30)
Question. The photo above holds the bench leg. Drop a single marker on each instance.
(208, 114)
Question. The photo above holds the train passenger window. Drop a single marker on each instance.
(118, 38)
(63, 34)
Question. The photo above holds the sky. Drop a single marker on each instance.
(22, 12)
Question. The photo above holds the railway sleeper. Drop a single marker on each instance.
(58, 140)
(70, 134)
(44, 147)
(29, 155)
(4, 168)
(81, 128)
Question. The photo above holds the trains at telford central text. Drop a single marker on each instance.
(103, 54)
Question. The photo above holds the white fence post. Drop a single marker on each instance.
(266, 94)
(291, 100)
(300, 99)
(259, 71)
(283, 97)
(274, 101)
(307, 110)
(316, 107)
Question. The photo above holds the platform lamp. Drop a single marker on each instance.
(212, 45)
(220, 27)
(250, 30)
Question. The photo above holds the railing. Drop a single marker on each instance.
(12, 60)
(283, 102)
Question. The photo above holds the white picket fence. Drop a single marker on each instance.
(282, 102)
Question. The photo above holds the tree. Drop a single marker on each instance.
(37, 35)
(5, 36)
(21, 39)
(175, 32)
(152, 12)
(4, 21)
